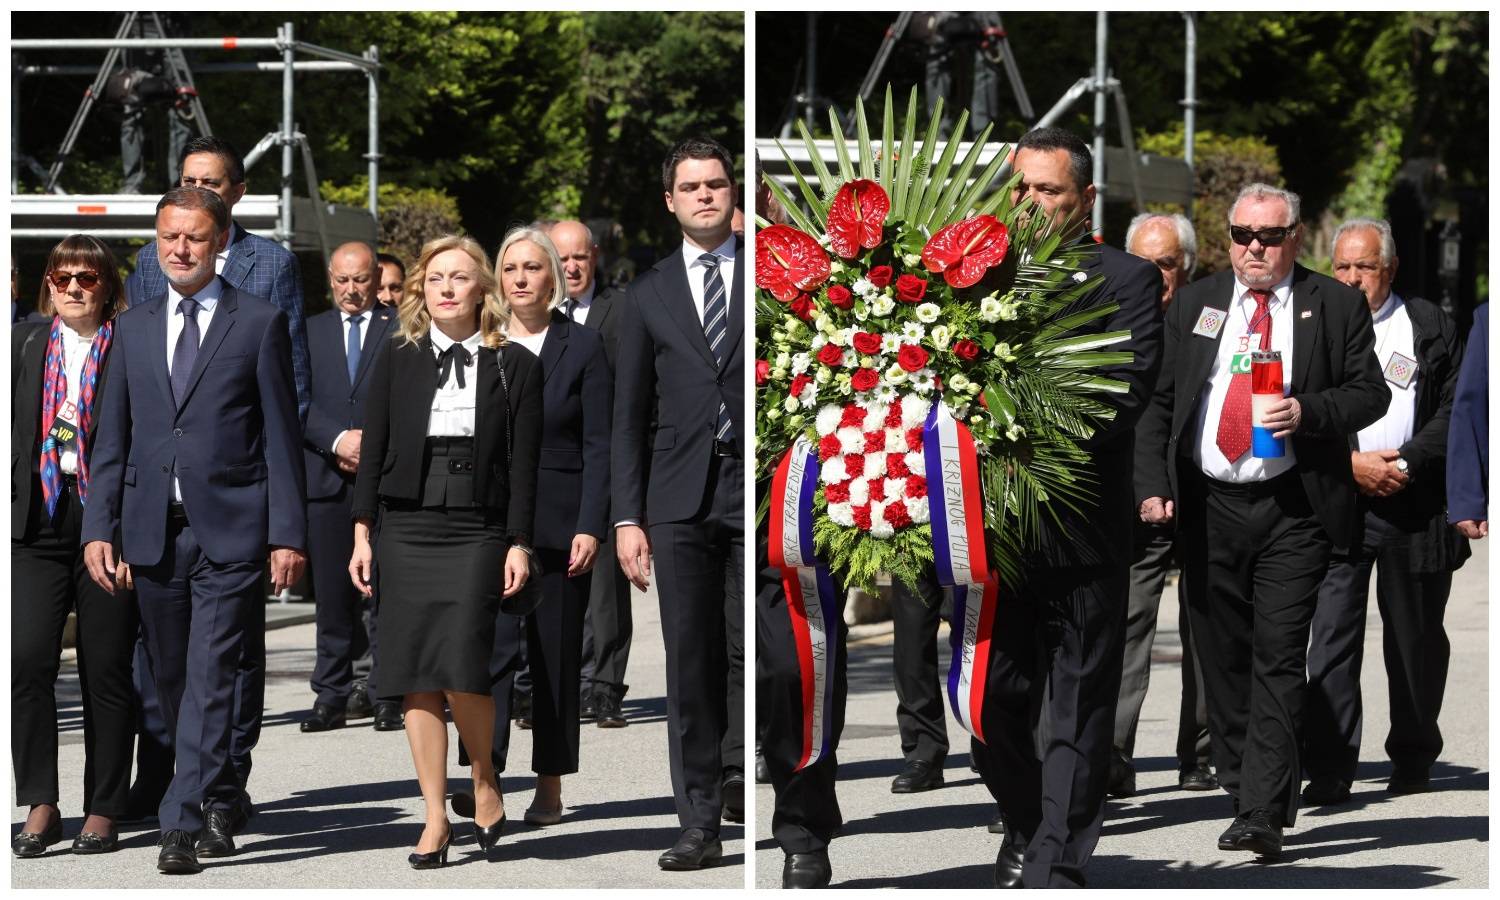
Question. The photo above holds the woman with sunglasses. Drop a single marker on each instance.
(58, 367)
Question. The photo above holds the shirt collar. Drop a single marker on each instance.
(207, 297)
(1280, 293)
(1390, 307)
(585, 298)
(691, 251)
(368, 314)
(441, 342)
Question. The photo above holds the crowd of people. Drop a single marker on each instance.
(537, 445)
(1383, 415)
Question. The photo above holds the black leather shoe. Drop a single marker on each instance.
(1260, 834)
(806, 870)
(1121, 778)
(695, 849)
(762, 771)
(177, 854)
(217, 837)
(388, 716)
(587, 708)
(1326, 791)
(733, 796)
(90, 842)
(238, 812)
(35, 843)
(1199, 779)
(1413, 782)
(520, 710)
(920, 775)
(997, 824)
(434, 860)
(1008, 864)
(607, 711)
(324, 718)
(1230, 839)
(359, 705)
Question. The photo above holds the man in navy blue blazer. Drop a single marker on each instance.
(197, 477)
(1468, 436)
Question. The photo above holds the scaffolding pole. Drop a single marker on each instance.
(1101, 41)
(288, 50)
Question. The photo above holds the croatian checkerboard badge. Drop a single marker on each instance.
(1210, 322)
(1400, 370)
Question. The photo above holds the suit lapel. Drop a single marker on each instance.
(598, 311)
(554, 345)
(223, 320)
(1307, 313)
(241, 259)
(677, 297)
(380, 323)
(160, 350)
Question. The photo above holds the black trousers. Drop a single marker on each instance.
(1048, 715)
(1253, 557)
(608, 627)
(915, 617)
(49, 580)
(1415, 648)
(699, 568)
(341, 636)
(1150, 561)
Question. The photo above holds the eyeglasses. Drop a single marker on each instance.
(1268, 237)
(86, 280)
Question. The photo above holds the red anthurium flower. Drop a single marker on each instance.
(855, 217)
(963, 251)
(787, 262)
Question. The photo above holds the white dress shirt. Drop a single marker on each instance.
(1393, 334)
(696, 269)
(1234, 339)
(453, 406)
(364, 329)
(75, 351)
(208, 301)
(578, 307)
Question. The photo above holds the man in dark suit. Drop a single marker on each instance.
(1468, 436)
(607, 628)
(198, 474)
(252, 264)
(343, 342)
(679, 489)
(1257, 532)
(1063, 628)
(1399, 469)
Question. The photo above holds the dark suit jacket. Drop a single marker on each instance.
(394, 447)
(665, 368)
(235, 442)
(604, 318)
(1335, 378)
(256, 266)
(577, 406)
(1468, 434)
(337, 405)
(28, 357)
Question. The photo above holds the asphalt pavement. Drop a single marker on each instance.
(1164, 837)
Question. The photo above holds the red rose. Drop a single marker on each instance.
(914, 438)
(862, 517)
(803, 307)
(867, 343)
(864, 379)
(916, 486)
(966, 350)
(798, 383)
(762, 371)
(839, 296)
(829, 447)
(830, 355)
(877, 488)
(910, 288)
(911, 357)
(853, 417)
(895, 465)
(874, 441)
(854, 464)
(893, 416)
(897, 515)
(880, 276)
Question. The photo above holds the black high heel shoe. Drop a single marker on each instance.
(434, 860)
(488, 836)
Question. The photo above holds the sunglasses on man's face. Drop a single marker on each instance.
(1268, 237)
(86, 280)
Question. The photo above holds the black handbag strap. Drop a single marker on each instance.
(504, 387)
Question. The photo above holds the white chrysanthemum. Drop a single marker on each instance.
(917, 508)
(875, 465)
(818, 340)
(851, 439)
(885, 394)
(833, 471)
(916, 462)
(862, 286)
(800, 362)
(890, 343)
(912, 332)
(859, 491)
(941, 335)
(928, 312)
(895, 374)
(841, 514)
(958, 381)
(989, 309)
(922, 381)
(882, 305)
(791, 404)
(913, 411)
(828, 419)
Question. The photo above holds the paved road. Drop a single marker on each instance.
(341, 809)
(1164, 837)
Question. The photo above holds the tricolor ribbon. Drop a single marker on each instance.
(955, 505)
(810, 598)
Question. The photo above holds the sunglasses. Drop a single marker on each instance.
(86, 280)
(1268, 237)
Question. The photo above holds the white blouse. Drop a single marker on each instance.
(75, 349)
(532, 342)
(453, 406)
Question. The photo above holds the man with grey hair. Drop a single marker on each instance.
(1399, 465)
(1168, 241)
(1257, 529)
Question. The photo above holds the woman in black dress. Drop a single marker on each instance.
(452, 428)
(58, 368)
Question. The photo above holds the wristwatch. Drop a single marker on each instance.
(1401, 465)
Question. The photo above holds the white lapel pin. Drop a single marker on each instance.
(1307, 314)
(1080, 277)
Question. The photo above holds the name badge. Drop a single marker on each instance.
(1400, 370)
(1239, 364)
(1210, 322)
(63, 431)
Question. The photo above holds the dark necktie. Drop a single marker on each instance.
(569, 307)
(1234, 418)
(353, 346)
(446, 364)
(716, 329)
(185, 354)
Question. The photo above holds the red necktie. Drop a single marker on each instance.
(1234, 418)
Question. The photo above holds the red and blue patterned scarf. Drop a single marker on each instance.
(54, 397)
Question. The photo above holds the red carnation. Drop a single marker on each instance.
(966, 350)
(798, 383)
(880, 276)
(896, 515)
(853, 417)
(895, 465)
(965, 250)
(829, 447)
(914, 437)
(874, 441)
(854, 464)
(910, 288)
(862, 517)
(916, 486)
(803, 307)
(788, 262)
(865, 342)
(830, 355)
(837, 493)
(855, 217)
(762, 371)
(893, 416)
(864, 379)
(839, 296)
(877, 488)
(911, 357)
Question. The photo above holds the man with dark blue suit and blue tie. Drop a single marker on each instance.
(198, 476)
(343, 343)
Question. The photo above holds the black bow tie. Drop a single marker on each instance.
(445, 363)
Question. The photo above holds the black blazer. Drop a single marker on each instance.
(1335, 378)
(393, 449)
(337, 405)
(666, 370)
(573, 474)
(28, 357)
(604, 318)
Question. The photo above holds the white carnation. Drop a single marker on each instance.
(895, 489)
(828, 419)
(875, 411)
(862, 287)
(895, 441)
(851, 439)
(800, 362)
(916, 462)
(928, 312)
(841, 514)
(859, 491)
(875, 465)
(913, 411)
(833, 471)
(918, 509)
(879, 527)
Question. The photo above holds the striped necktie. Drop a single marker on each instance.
(716, 330)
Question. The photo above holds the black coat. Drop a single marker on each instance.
(1335, 379)
(573, 473)
(604, 317)
(393, 449)
(337, 406)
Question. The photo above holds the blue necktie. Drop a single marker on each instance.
(185, 354)
(716, 329)
(353, 346)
